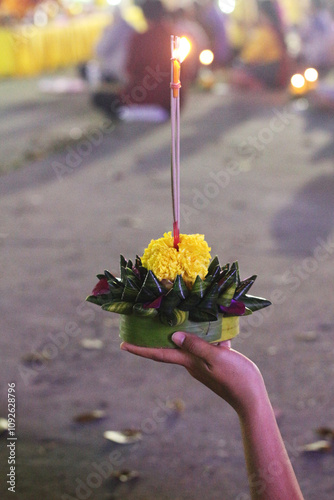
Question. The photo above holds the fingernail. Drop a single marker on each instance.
(178, 338)
(123, 347)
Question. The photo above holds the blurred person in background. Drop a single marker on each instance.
(213, 21)
(113, 47)
(317, 37)
(111, 51)
(263, 61)
(148, 67)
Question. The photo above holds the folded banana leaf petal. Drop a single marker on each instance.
(170, 301)
(226, 297)
(209, 303)
(123, 274)
(116, 293)
(151, 289)
(213, 264)
(175, 318)
(118, 307)
(196, 295)
(123, 261)
(225, 269)
(200, 316)
(129, 273)
(138, 263)
(235, 266)
(139, 269)
(247, 312)
(244, 286)
(215, 274)
(145, 312)
(254, 303)
(180, 288)
(226, 281)
(130, 290)
(99, 300)
(111, 278)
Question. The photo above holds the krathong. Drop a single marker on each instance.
(175, 285)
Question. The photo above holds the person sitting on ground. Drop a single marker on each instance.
(112, 48)
(238, 381)
(263, 62)
(110, 54)
(148, 66)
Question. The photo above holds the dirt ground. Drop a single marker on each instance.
(258, 181)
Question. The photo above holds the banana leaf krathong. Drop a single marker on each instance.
(138, 292)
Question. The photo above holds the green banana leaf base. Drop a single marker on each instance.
(150, 332)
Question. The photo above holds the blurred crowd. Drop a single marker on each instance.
(133, 68)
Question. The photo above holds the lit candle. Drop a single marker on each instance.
(179, 50)
(176, 77)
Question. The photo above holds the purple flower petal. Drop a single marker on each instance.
(101, 288)
(235, 309)
(155, 304)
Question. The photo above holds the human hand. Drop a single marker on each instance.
(225, 371)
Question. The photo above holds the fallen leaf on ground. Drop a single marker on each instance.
(126, 436)
(177, 405)
(125, 475)
(32, 358)
(90, 416)
(3, 425)
(321, 445)
(92, 343)
(309, 336)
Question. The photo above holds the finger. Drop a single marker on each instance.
(193, 345)
(157, 354)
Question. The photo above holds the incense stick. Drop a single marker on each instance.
(175, 130)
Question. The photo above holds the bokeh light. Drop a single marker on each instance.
(311, 75)
(206, 57)
(297, 81)
(227, 6)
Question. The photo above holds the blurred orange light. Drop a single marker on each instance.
(311, 75)
(206, 57)
(298, 81)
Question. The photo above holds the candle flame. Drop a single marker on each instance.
(184, 48)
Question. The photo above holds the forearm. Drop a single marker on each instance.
(270, 472)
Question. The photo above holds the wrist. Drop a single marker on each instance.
(256, 403)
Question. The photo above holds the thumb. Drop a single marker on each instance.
(192, 344)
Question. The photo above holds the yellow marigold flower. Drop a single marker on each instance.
(191, 259)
